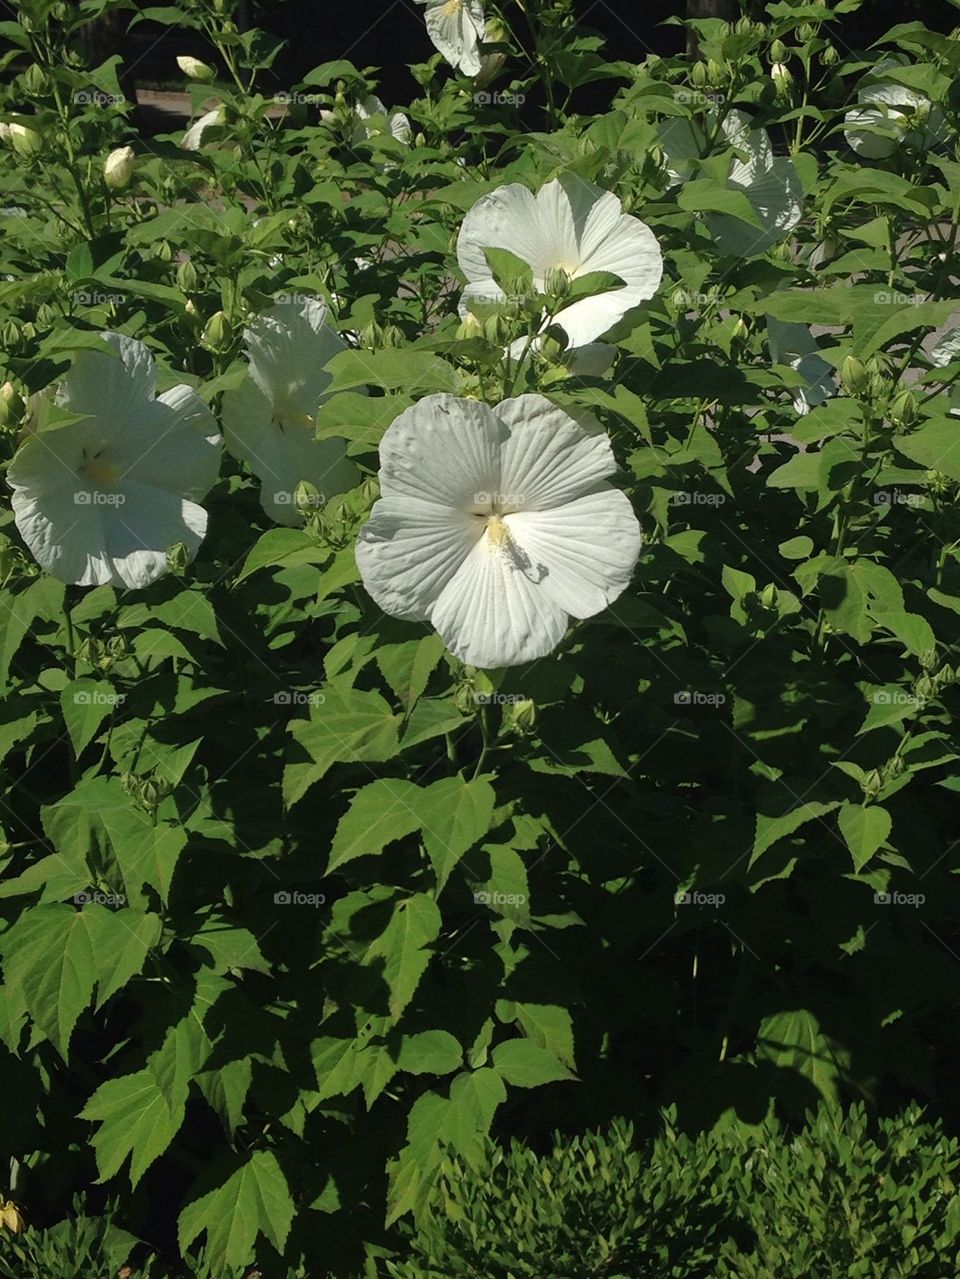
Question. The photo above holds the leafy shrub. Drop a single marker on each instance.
(834, 1200)
(296, 904)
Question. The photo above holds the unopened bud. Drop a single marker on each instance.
(904, 410)
(894, 767)
(465, 699)
(371, 335)
(307, 499)
(698, 75)
(392, 336)
(178, 557)
(520, 717)
(778, 51)
(470, 327)
(194, 69)
(496, 329)
(768, 596)
(34, 81)
(872, 783)
(163, 251)
(218, 332)
(781, 77)
(186, 277)
(853, 375)
(716, 73)
(806, 31)
(118, 168)
(11, 1219)
(11, 405)
(557, 283)
(830, 56)
(25, 141)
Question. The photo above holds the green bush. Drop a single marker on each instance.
(838, 1199)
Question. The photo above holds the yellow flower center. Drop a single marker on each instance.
(102, 473)
(497, 532)
(286, 414)
(452, 7)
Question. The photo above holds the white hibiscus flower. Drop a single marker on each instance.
(102, 500)
(769, 182)
(368, 112)
(795, 345)
(889, 114)
(497, 526)
(569, 225)
(192, 139)
(268, 421)
(456, 28)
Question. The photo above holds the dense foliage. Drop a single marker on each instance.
(295, 905)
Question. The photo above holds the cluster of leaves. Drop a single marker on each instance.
(836, 1199)
(293, 906)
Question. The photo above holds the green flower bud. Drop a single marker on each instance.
(91, 651)
(178, 557)
(894, 767)
(928, 659)
(218, 332)
(307, 499)
(768, 596)
(470, 327)
(371, 335)
(163, 251)
(194, 69)
(11, 405)
(716, 73)
(944, 676)
(118, 168)
(520, 717)
(807, 32)
(465, 699)
(186, 277)
(853, 375)
(25, 141)
(393, 336)
(781, 77)
(191, 315)
(778, 51)
(924, 688)
(830, 56)
(557, 283)
(698, 75)
(35, 81)
(904, 410)
(878, 386)
(872, 784)
(741, 330)
(496, 329)
(938, 482)
(129, 783)
(117, 646)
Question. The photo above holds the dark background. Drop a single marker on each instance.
(390, 33)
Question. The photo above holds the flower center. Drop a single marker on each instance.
(497, 533)
(101, 472)
(287, 415)
(452, 7)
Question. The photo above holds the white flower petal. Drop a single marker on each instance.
(548, 458)
(281, 456)
(192, 139)
(410, 549)
(442, 450)
(456, 28)
(586, 550)
(174, 445)
(122, 382)
(507, 218)
(495, 613)
(289, 347)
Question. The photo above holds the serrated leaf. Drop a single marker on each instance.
(864, 827)
(772, 827)
(383, 811)
(793, 1040)
(431, 1052)
(401, 952)
(549, 1027)
(138, 1117)
(455, 815)
(86, 703)
(526, 1065)
(253, 1200)
(348, 726)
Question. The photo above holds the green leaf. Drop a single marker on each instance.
(913, 631)
(864, 828)
(414, 372)
(125, 957)
(86, 703)
(793, 1040)
(348, 726)
(288, 547)
(431, 1052)
(935, 445)
(255, 1199)
(401, 952)
(386, 810)
(407, 667)
(147, 854)
(454, 814)
(138, 1117)
(526, 1065)
(549, 1027)
(509, 272)
(773, 827)
(43, 597)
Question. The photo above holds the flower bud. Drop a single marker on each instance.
(894, 767)
(307, 499)
(163, 251)
(117, 646)
(25, 141)
(924, 688)
(11, 1219)
(830, 56)
(393, 336)
(11, 405)
(35, 81)
(768, 596)
(806, 31)
(698, 75)
(371, 335)
(716, 73)
(465, 699)
(778, 51)
(470, 327)
(496, 329)
(904, 410)
(218, 332)
(872, 783)
(186, 277)
(741, 330)
(178, 557)
(520, 717)
(853, 375)
(781, 77)
(223, 7)
(557, 283)
(118, 168)
(194, 69)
